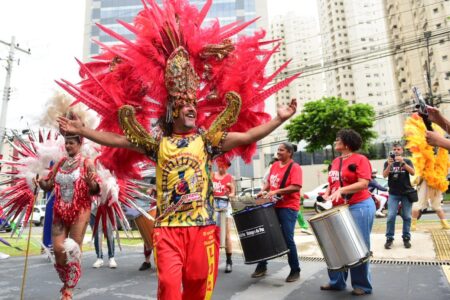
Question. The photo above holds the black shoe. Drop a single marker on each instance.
(260, 271)
(228, 268)
(406, 243)
(388, 244)
(145, 266)
(293, 276)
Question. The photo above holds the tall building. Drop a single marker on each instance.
(300, 41)
(106, 12)
(354, 41)
(420, 33)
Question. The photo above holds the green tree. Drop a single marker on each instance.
(320, 121)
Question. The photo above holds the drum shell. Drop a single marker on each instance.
(260, 233)
(340, 239)
(145, 227)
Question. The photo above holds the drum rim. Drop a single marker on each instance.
(266, 258)
(252, 208)
(329, 212)
(359, 262)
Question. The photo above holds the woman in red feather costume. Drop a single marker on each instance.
(73, 180)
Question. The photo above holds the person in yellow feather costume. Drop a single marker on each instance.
(431, 166)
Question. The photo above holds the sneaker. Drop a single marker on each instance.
(228, 268)
(112, 263)
(293, 276)
(145, 266)
(380, 214)
(260, 271)
(98, 263)
(406, 243)
(388, 244)
(4, 256)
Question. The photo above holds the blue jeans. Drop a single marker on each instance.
(363, 213)
(393, 202)
(48, 221)
(109, 241)
(288, 219)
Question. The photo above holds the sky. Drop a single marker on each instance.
(54, 31)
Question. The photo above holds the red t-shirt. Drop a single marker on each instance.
(277, 171)
(222, 187)
(354, 167)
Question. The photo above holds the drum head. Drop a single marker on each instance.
(329, 212)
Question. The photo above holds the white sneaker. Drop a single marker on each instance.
(3, 255)
(98, 263)
(380, 214)
(112, 263)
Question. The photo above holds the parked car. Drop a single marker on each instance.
(309, 198)
(38, 216)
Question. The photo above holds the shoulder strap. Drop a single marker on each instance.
(286, 175)
(341, 183)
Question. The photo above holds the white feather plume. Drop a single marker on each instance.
(72, 250)
(49, 150)
(109, 188)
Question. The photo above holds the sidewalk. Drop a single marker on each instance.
(423, 247)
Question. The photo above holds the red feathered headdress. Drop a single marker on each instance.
(214, 60)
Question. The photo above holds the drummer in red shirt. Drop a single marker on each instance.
(287, 206)
(223, 184)
(348, 180)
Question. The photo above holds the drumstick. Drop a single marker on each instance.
(143, 212)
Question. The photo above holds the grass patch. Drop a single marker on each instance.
(35, 247)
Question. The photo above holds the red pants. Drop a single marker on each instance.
(187, 260)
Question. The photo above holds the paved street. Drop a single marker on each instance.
(391, 281)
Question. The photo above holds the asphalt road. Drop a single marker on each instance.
(126, 282)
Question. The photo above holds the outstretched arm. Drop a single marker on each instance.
(109, 139)
(236, 139)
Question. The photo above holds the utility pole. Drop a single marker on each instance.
(7, 87)
(427, 35)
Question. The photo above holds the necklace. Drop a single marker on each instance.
(346, 155)
(72, 160)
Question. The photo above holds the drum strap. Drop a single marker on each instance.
(285, 177)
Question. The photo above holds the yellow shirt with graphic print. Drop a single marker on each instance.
(183, 179)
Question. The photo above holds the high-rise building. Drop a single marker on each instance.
(354, 39)
(106, 12)
(419, 34)
(300, 41)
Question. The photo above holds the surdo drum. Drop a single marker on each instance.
(341, 242)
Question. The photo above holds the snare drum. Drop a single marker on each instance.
(339, 238)
(260, 233)
(145, 227)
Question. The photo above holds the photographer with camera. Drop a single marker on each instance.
(397, 169)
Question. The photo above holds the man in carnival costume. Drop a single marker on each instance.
(207, 93)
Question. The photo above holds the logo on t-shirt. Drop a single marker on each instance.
(274, 181)
(334, 175)
(218, 187)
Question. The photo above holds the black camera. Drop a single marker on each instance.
(392, 155)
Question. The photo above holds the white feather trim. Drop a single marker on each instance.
(72, 250)
(109, 189)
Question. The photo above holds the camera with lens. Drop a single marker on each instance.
(392, 155)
